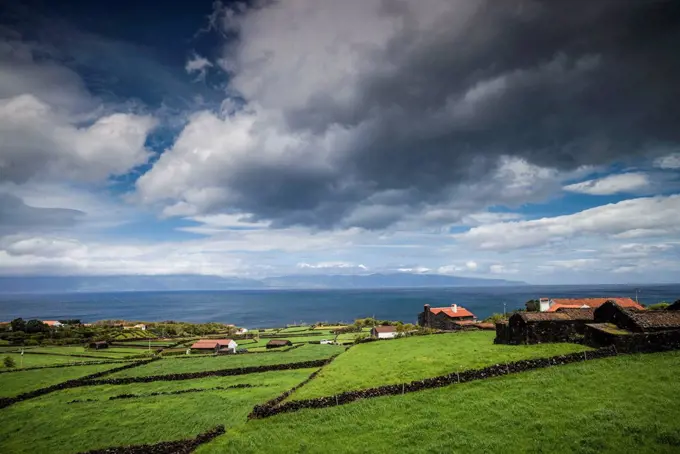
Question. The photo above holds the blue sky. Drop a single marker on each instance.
(271, 138)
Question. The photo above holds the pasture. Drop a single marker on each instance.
(613, 405)
(412, 358)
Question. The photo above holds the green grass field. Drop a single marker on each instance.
(14, 383)
(183, 365)
(112, 352)
(43, 360)
(614, 405)
(49, 424)
(412, 358)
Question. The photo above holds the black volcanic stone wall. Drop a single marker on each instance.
(271, 409)
(57, 366)
(209, 373)
(82, 381)
(165, 447)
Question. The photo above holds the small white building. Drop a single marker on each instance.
(241, 330)
(216, 345)
(384, 332)
(325, 341)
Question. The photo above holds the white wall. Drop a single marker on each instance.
(386, 335)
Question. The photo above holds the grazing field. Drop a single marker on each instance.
(613, 405)
(403, 360)
(43, 360)
(51, 424)
(14, 383)
(113, 353)
(206, 363)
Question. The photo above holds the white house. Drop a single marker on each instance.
(241, 330)
(384, 332)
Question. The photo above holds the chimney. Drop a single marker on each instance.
(455, 308)
(426, 311)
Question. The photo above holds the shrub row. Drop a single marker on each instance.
(166, 393)
(75, 355)
(209, 373)
(56, 366)
(165, 447)
(269, 409)
(82, 381)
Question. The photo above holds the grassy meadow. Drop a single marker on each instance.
(14, 383)
(55, 426)
(613, 405)
(406, 359)
(205, 363)
(43, 360)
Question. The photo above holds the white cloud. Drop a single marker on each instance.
(332, 265)
(612, 184)
(629, 215)
(671, 161)
(199, 65)
(502, 269)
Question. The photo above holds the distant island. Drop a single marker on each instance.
(67, 284)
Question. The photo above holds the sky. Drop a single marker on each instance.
(524, 139)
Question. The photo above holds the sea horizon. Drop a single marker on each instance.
(263, 308)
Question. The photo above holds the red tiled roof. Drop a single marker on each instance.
(385, 329)
(460, 312)
(50, 322)
(576, 303)
(485, 325)
(210, 343)
(465, 322)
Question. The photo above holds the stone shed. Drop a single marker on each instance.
(567, 325)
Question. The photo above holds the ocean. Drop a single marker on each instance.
(270, 308)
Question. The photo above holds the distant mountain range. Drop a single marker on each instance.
(82, 284)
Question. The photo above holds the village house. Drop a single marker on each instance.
(52, 323)
(445, 318)
(554, 304)
(536, 327)
(242, 331)
(384, 332)
(277, 343)
(216, 345)
(141, 326)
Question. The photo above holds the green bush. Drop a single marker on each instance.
(658, 306)
(9, 362)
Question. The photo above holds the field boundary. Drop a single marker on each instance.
(209, 373)
(165, 393)
(75, 383)
(164, 447)
(56, 366)
(270, 408)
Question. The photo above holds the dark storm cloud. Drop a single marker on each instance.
(558, 84)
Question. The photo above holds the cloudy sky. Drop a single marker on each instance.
(524, 139)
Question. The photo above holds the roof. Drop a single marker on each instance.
(578, 314)
(460, 312)
(542, 316)
(464, 322)
(656, 319)
(674, 307)
(51, 322)
(385, 329)
(485, 325)
(575, 303)
(210, 343)
(279, 342)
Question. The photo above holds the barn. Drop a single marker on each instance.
(537, 327)
(98, 345)
(215, 345)
(278, 343)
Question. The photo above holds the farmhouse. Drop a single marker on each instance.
(141, 326)
(444, 317)
(216, 345)
(98, 345)
(52, 323)
(537, 327)
(242, 331)
(631, 330)
(554, 304)
(276, 343)
(383, 332)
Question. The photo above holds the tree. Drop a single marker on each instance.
(18, 324)
(9, 362)
(658, 306)
(36, 326)
(533, 306)
(495, 318)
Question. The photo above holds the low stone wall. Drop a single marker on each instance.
(166, 393)
(165, 447)
(82, 381)
(209, 373)
(635, 342)
(267, 409)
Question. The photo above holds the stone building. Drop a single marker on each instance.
(445, 318)
(565, 325)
